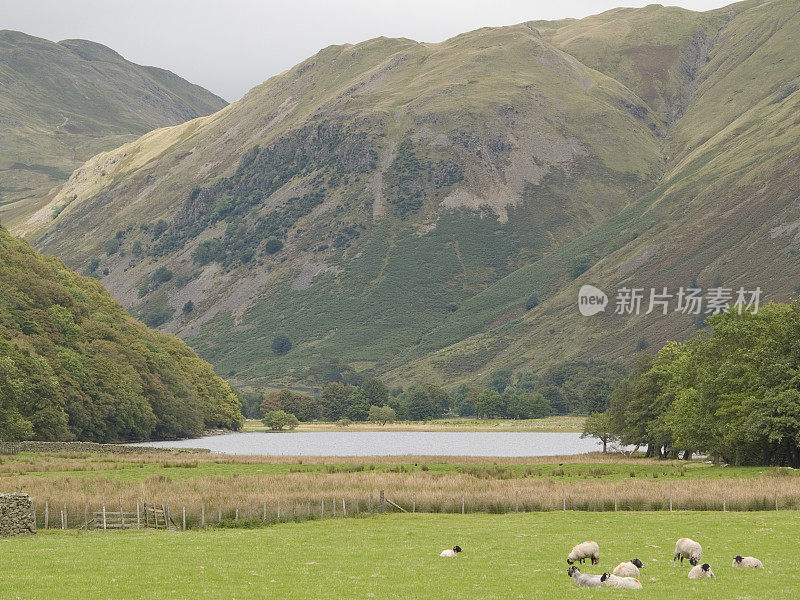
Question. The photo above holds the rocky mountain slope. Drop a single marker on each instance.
(429, 211)
(61, 103)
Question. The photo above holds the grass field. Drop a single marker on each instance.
(393, 556)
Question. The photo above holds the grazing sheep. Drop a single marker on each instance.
(747, 562)
(686, 548)
(583, 580)
(626, 583)
(701, 571)
(583, 551)
(451, 552)
(628, 569)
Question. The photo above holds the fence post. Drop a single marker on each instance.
(322, 508)
(138, 516)
(334, 506)
(382, 502)
(219, 514)
(279, 511)
(344, 509)
(184, 518)
(64, 517)
(46, 514)
(202, 515)
(236, 516)
(370, 503)
(309, 508)
(564, 497)
(516, 501)
(33, 510)
(264, 513)
(776, 499)
(724, 504)
(615, 498)
(462, 504)
(413, 502)
(670, 499)
(86, 515)
(358, 512)
(104, 517)
(121, 515)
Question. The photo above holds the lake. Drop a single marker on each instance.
(391, 443)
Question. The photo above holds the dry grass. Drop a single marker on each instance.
(478, 486)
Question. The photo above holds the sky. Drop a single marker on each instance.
(232, 45)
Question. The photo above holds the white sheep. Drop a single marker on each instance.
(701, 571)
(582, 579)
(625, 583)
(583, 551)
(687, 548)
(451, 552)
(628, 569)
(747, 562)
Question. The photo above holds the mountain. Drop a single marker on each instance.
(75, 365)
(427, 212)
(61, 103)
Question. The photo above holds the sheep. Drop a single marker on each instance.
(628, 569)
(583, 580)
(451, 552)
(583, 551)
(747, 562)
(626, 583)
(701, 571)
(686, 548)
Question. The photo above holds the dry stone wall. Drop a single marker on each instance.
(16, 517)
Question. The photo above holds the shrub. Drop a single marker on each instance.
(93, 264)
(161, 275)
(188, 307)
(281, 345)
(279, 419)
(579, 265)
(344, 422)
(272, 245)
(532, 302)
(382, 414)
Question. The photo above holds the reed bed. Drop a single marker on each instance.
(255, 499)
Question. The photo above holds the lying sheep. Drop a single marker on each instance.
(687, 548)
(583, 580)
(747, 562)
(628, 569)
(626, 583)
(701, 571)
(583, 551)
(451, 552)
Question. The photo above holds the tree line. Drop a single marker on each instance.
(732, 391)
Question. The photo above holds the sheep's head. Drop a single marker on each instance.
(737, 559)
(637, 562)
(456, 548)
(570, 561)
(693, 561)
(572, 570)
(605, 576)
(706, 567)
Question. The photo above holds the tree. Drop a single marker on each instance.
(333, 401)
(598, 425)
(188, 307)
(358, 405)
(375, 390)
(499, 380)
(420, 407)
(526, 406)
(272, 245)
(281, 345)
(439, 398)
(382, 414)
(279, 419)
(488, 404)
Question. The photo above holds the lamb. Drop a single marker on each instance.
(626, 583)
(747, 562)
(628, 569)
(701, 571)
(583, 551)
(582, 579)
(687, 548)
(451, 552)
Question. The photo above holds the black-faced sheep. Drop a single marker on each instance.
(747, 562)
(614, 581)
(628, 569)
(583, 580)
(701, 571)
(451, 552)
(687, 548)
(583, 551)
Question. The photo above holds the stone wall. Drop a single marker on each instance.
(16, 516)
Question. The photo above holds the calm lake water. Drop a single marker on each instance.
(392, 443)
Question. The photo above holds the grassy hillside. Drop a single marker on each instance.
(393, 206)
(61, 103)
(75, 365)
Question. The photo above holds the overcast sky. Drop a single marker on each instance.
(228, 46)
